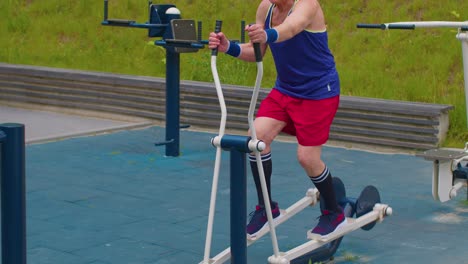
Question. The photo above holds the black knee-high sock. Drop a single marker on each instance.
(267, 169)
(324, 184)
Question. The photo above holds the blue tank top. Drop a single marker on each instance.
(305, 65)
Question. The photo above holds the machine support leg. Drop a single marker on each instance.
(172, 103)
(238, 207)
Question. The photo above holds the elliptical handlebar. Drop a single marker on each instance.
(217, 166)
(219, 24)
(258, 52)
(253, 103)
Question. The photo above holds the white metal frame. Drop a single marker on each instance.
(214, 187)
(461, 35)
(377, 214)
(254, 145)
(310, 199)
(444, 186)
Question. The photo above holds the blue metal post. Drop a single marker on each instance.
(172, 102)
(238, 207)
(238, 146)
(13, 194)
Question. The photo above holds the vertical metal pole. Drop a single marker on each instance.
(13, 195)
(199, 31)
(238, 207)
(106, 9)
(242, 29)
(463, 37)
(172, 102)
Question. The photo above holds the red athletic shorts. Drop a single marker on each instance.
(308, 120)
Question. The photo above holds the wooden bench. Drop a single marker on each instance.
(360, 122)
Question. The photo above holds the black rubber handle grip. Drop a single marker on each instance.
(377, 26)
(401, 26)
(199, 31)
(218, 26)
(242, 39)
(464, 28)
(258, 52)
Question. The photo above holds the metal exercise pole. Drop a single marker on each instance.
(239, 147)
(172, 142)
(463, 37)
(172, 102)
(13, 193)
(238, 207)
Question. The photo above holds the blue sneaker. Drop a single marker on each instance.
(329, 221)
(258, 218)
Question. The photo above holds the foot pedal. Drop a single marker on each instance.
(365, 203)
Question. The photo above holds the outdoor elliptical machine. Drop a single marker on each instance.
(367, 207)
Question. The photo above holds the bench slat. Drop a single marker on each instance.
(407, 125)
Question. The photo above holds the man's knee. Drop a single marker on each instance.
(308, 161)
(311, 161)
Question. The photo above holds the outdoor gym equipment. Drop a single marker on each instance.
(462, 35)
(449, 174)
(178, 36)
(367, 207)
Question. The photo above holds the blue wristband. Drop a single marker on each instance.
(234, 49)
(272, 35)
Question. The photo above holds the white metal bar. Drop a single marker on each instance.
(351, 225)
(456, 161)
(310, 199)
(431, 24)
(456, 187)
(222, 257)
(219, 91)
(258, 158)
(435, 180)
(377, 214)
(463, 37)
(253, 100)
(214, 187)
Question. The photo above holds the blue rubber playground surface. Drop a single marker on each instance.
(116, 199)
